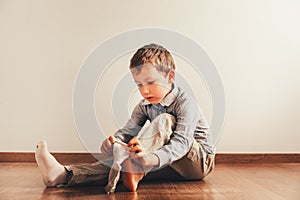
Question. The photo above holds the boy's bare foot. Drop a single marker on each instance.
(53, 173)
(130, 179)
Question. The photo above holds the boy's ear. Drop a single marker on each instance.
(171, 76)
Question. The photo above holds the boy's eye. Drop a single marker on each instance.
(150, 82)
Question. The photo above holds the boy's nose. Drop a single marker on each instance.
(145, 89)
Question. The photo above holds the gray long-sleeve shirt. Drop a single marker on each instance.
(190, 124)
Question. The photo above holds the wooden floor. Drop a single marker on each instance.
(228, 181)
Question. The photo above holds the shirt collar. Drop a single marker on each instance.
(168, 99)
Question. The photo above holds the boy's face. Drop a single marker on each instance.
(152, 84)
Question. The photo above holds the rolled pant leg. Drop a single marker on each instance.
(89, 173)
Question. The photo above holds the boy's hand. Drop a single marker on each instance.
(107, 147)
(146, 159)
(135, 145)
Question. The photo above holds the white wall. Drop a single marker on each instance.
(254, 44)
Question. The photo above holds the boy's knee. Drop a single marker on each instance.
(165, 120)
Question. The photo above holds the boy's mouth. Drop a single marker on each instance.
(149, 98)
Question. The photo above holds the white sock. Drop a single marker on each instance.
(120, 154)
(53, 173)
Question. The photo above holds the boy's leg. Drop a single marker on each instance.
(152, 138)
(157, 133)
(54, 174)
(195, 165)
(87, 174)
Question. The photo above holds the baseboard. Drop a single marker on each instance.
(236, 158)
(229, 158)
(61, 157)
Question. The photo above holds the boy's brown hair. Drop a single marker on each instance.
(155, 54)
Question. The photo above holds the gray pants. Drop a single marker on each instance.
(195, 165)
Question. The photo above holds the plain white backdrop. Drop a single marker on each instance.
(255, 46)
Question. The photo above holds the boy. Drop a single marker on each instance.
(175, 145)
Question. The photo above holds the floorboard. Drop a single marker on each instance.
(227, 181)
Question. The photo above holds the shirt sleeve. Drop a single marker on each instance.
(187, 116)
(134, 124)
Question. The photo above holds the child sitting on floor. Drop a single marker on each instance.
(176, 143)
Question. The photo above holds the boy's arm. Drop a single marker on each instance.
(187, 117)
(133, 126)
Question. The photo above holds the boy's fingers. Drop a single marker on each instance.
(133, 142)
(136, 149)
